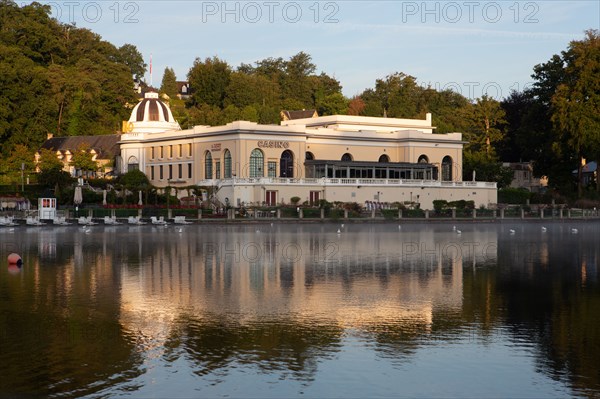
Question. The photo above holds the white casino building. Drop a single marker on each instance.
(336, 158)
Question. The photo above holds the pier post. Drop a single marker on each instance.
(373, 214)
(453, 213)
(345, 213)
(169, 214)
(426, 213)
(113, 213)
(560, 213)
(399, 213)
(199, 213)
(278, 213)
(474, 213)
(568, 214)
(139, 212)
(300, 213)
(502, 213)
(522, 213)
(541, 213)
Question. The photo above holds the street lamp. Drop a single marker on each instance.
(168, 193)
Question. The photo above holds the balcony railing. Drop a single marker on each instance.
(343, 182)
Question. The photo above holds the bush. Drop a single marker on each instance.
(295, 200)
(513, 196)
(439, 205)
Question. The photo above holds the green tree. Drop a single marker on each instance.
(576, 102)
(485, 169)
(333, 104)
(209, 80)
(48, 160)
(83, 159)
(129, 55)
(169, 83)
(486, 118)
(134, 179)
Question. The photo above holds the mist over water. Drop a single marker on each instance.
(314, 310)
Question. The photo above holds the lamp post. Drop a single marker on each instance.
(168, 193)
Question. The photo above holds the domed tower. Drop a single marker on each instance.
(149, 116)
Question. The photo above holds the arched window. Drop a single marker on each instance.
(132, 163)
(309, 156)
(286, 164)
(227, 163)
(384, 158)
(257, 161)
(208, 172)
(347, 157)
(423, 159)
(447, 168)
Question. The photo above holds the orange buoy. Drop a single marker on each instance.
(14, 259)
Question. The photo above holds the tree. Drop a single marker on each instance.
(485, 118)
(333, 104)
(356, 106)
(395, 96)
(134, 179)
(576, 102)
(129, 55)
(169, 83)
(485, 169)
(209, 80)
(48, 160)
(83, 159)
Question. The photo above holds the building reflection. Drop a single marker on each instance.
(284, 298)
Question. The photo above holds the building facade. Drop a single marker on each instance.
(334, 158)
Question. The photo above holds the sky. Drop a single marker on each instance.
(472, 47)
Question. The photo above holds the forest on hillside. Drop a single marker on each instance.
(60, 79)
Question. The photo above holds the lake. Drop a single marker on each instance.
(310, 310)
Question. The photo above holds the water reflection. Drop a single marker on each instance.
(112, 310)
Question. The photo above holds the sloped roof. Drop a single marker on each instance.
(106, 146)
(300, 114)
(589, 167)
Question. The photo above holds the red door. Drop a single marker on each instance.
(314, 197)
(271, 198)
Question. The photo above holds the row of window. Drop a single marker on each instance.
(169, 151)
(171, 171)
(257, 163)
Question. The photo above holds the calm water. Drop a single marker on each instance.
(301, 311)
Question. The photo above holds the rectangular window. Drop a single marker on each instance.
(170, 172)
(189, 149)
(170, 151)
(152, 153)
(180, 167)
(217, 169)
(189, 170)
(151, 172)
(272, 169)
(161, 151)
(180, 150)
(160, 172)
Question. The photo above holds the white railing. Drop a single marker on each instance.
(343, 182)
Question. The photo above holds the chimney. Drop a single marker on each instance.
(50, 135)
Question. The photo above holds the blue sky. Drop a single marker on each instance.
(469, 46)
